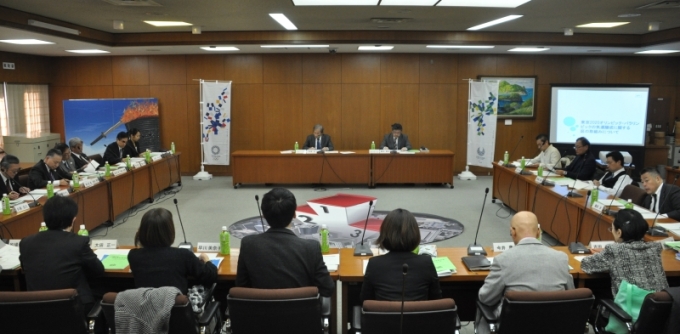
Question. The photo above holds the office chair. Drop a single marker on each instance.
(23, 180)
(183, 320)
(528, 312)
(634, 193)
(295, 310)
(98, 158)
(44, 312)
(654, 314)
(427, 316)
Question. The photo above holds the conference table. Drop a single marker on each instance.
(357, 167)
(104, 201)
(567, 219)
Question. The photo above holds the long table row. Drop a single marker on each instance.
(104, 201)
(358, 167)
(567, 219)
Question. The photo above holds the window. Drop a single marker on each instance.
(24, 109)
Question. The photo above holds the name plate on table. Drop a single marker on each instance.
(156, 158)
(208, 247)
(22, 207)
(14, 242)
(539, 179)
(119, 171)
(301, 152)
(62, 193)
(379, 151)
(89, 182)
(598, 207)
(518, 170)
(599, 244)
(104, 244)
(502, 246)
(141, 163)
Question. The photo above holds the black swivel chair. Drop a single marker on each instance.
(653, 317)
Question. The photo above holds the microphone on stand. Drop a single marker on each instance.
(404, 269)
(542, 184)
(572, 192)
(35, 202)
(184, 244)
(609, 212)
(364, 250)
(257, 199)
(475, 249)
(513, 152)
(577, 247)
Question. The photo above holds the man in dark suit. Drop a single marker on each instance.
(583, 166)
(79, 158)
(661, 198)
(318, 140)
(9, 167)
(277, 258)
(396, 140)
(57, 258)
(47, 170)
(115, 151)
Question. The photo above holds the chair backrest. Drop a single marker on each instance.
(182, 318)
(654, 314)
(634, 193)
(42, 312)
(23, 180)
(556, 312)
(428, 316)
(298, 310)
(98, 158)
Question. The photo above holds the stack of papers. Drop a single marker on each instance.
(9, 257)
(617, 202)
(563, 181)
(674, 245)
(332, 262)
(646, 214)
(213, 258)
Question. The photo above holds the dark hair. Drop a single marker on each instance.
(58, 212)
(633, 227)
(8, 160)
(616, 156)
(319, 127)
(121, 135)
(651, 170)
(156, 229)
(53, 152)
(543, 137)
(396, 126)
(62, 147)
(584, 142)
(133, 132)
(278, 207)
(399, 232)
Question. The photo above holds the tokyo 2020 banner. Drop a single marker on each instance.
(216, 122)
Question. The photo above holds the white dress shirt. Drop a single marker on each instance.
(621, 183)
(549, 157)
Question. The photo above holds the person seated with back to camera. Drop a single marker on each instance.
(400, 235)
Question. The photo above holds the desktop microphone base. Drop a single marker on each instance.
(578, 248)
(573, 194)
(186, 245)
(363, 250)
(475, 249)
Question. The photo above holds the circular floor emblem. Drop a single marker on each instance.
(215, 149)
(432, 228)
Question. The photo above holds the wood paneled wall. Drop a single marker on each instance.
(278, 98)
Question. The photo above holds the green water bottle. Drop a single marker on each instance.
(50, 189)
(629, 205)
(6, 209)
(43, 227)
(540, 170)
(128, 163)
(107, 169)
(147, 156)
(82, 231)
(172, 147)
(297, 146)
(325, 246)
(506, 158)
(522, 163)
(594, 196)
(224, 241)
(373, 145)
(76, 180)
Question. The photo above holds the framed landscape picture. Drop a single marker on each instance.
(516, 96)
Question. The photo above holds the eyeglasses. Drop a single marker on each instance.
(14, 171)
(578, 147)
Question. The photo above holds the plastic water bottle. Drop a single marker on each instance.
(594, 196)
(6, 209)
(373, 145)
(224, 241)
(82, 231)
(107, 169)
(325, 246)
(297, 146)
(76, 180)
(147, 156)
(629, 205)
(522, 163)
(506, 158)
(172, 147)
(128, 163)
(540, 170)
(50, 189)
(43, 227)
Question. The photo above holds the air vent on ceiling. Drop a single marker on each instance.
(137, 3)
(661, 5)
(390, 20)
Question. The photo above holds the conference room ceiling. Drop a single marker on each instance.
(539, 16)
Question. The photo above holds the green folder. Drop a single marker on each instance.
(115, 261)
(675, 245)
(443, 265)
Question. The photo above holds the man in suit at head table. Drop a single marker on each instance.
(662, 198)
(277, 258)
(395, 140)
(47, 170)
(318, 140)
(9, 167)
(529, 266)
(114, 151)
(79, 157)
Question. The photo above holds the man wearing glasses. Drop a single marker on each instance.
(583, 166)
(9, 168)
(549, 156)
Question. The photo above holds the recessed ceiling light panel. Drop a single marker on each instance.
(460, 46)
(657, 52)
(88, 51)
(167, 23)
(495, 22)
(283, 21)
(335, 2)
(482, 3)
(602, 25)
(220, 48)
(629, 15)
(376, 48)
(529, 49)
(408, 2)
(25, 41)
(290, 46)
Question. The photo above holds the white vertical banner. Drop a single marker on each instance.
(216, 122)
(482, 115)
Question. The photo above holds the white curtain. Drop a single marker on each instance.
(24, 109)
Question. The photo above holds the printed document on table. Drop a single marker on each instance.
(332, 261)
(646, 214)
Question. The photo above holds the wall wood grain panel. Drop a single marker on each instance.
(242, 69)
(399, 104)
(193, 129)
(399, 68)
(322, 104)
(361, 116)
(206, 67)
(588, 70)
(92, 92)
(435, 68)
(660, 70)
(624, 70)
(513, 65)
(122, 92)
(93, 71)
(553, 69)
(282, 68)
(247, 113)
(360, 68)
(27, 69)
(174, 117)
(471, 66)
(167, 70)
(57, 96)
(436, 115)
(667, 93)
(64, 72)
(133, 70)
(322, 68)
(282, 116)
(461, 123)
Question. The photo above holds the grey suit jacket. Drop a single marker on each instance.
(388, 141)
(310, 142)
(529, 266)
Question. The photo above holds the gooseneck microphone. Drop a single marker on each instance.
(533, 205)
(662, 203)
(513, 151)
(609, 211)
(257, 199)
(184, 244)
(577, 247)
(404, 269)
(572, 192)
(361, 249)
(35, 202)
(475, 249)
